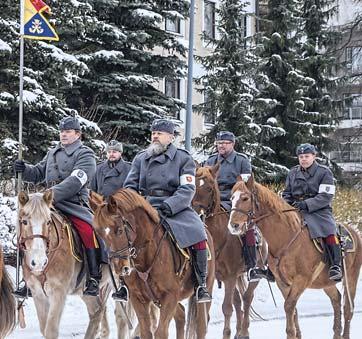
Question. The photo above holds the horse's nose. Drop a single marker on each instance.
(234, 228)
(38, 266)
(126, 270)
(33, 263)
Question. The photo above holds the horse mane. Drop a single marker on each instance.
(129, 200)
(36, 207)
(270, 199)
(205, 172)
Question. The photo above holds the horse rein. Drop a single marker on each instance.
(50, 252)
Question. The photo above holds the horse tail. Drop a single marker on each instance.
(242, 286)
(191, 319)
(7, 305)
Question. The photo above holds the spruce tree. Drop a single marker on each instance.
(230, 90)
(46, 69)
(123, 44)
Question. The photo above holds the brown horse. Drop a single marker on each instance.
(293, 258)
(134, 228)
(230, 264)
(50, 270)
(7, 301)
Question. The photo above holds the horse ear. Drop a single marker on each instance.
(197, 164)
(215, 169)
(95, 200)
(251, 182)
(48, 197)
(112, 205)
(23, 198)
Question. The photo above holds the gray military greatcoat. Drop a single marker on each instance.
(108, 179)
(174, 172)
(67, 170)
(234, 165)
(316, 187)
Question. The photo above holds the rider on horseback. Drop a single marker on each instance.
(310, 188)
(67, 169)
(165, 176)
(232, 165)
(110, 176)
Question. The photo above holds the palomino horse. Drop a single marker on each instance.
(49, 268)
(293, 258)
(228, 250)
(135, 229)
(7, 301)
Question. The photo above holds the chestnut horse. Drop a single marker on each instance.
(230, 264)
(7, 301)
(293, 258)
(50, 270)
(135, 226)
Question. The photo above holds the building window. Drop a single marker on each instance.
(352, 106)
(209, 19)
(354, 59)
(172, 89)
(210, 110)
(173, 25)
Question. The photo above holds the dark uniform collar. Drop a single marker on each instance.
(69, 149)
(230, 158)
(310, 170)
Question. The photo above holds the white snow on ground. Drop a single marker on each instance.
(315, 314)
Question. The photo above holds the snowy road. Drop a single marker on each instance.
(314, 309)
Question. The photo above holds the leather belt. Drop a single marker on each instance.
(156, 193)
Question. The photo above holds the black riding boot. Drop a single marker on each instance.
(122, 293)
(334, 255)
(22, 291)
(95, 274)
(200, 268)
(253, 272)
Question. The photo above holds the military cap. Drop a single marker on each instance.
(163, 125)
(69, 123)
(306, 148)
(114, 145)
(225, 135)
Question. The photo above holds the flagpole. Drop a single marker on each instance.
(20, 156)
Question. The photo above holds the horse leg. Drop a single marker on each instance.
(143, 315)
(202, 319)
(95, 308)
(180, 321)
(348, 308)
(167, 311)
(335, 298)
(248, 297)
(123, 313)
(42, 309)
(227, 307)
(238, 311)
(298, 332)
(56, 306)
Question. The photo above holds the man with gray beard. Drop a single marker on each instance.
(165, 176)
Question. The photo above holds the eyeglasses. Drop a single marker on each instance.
(223, 142)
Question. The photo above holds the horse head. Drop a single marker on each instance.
(207, 195)
(111, 226)
(243, 206)
(34, 228)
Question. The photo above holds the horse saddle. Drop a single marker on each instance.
(75, 242)
(345, 238)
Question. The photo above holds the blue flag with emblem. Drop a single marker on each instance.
(34, 23)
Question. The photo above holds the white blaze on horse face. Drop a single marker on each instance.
(107, 230)
(234, 200)
(201, 182)
(36, 255)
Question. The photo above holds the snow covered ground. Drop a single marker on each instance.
(315, 314)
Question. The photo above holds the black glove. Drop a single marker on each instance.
(301, 205)
(165, 209)
(19, 166)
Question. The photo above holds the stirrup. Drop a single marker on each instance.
(121, 294)
(92, 288)
(204, 297)
(22, 292)
(335, 273)
(253, 275)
